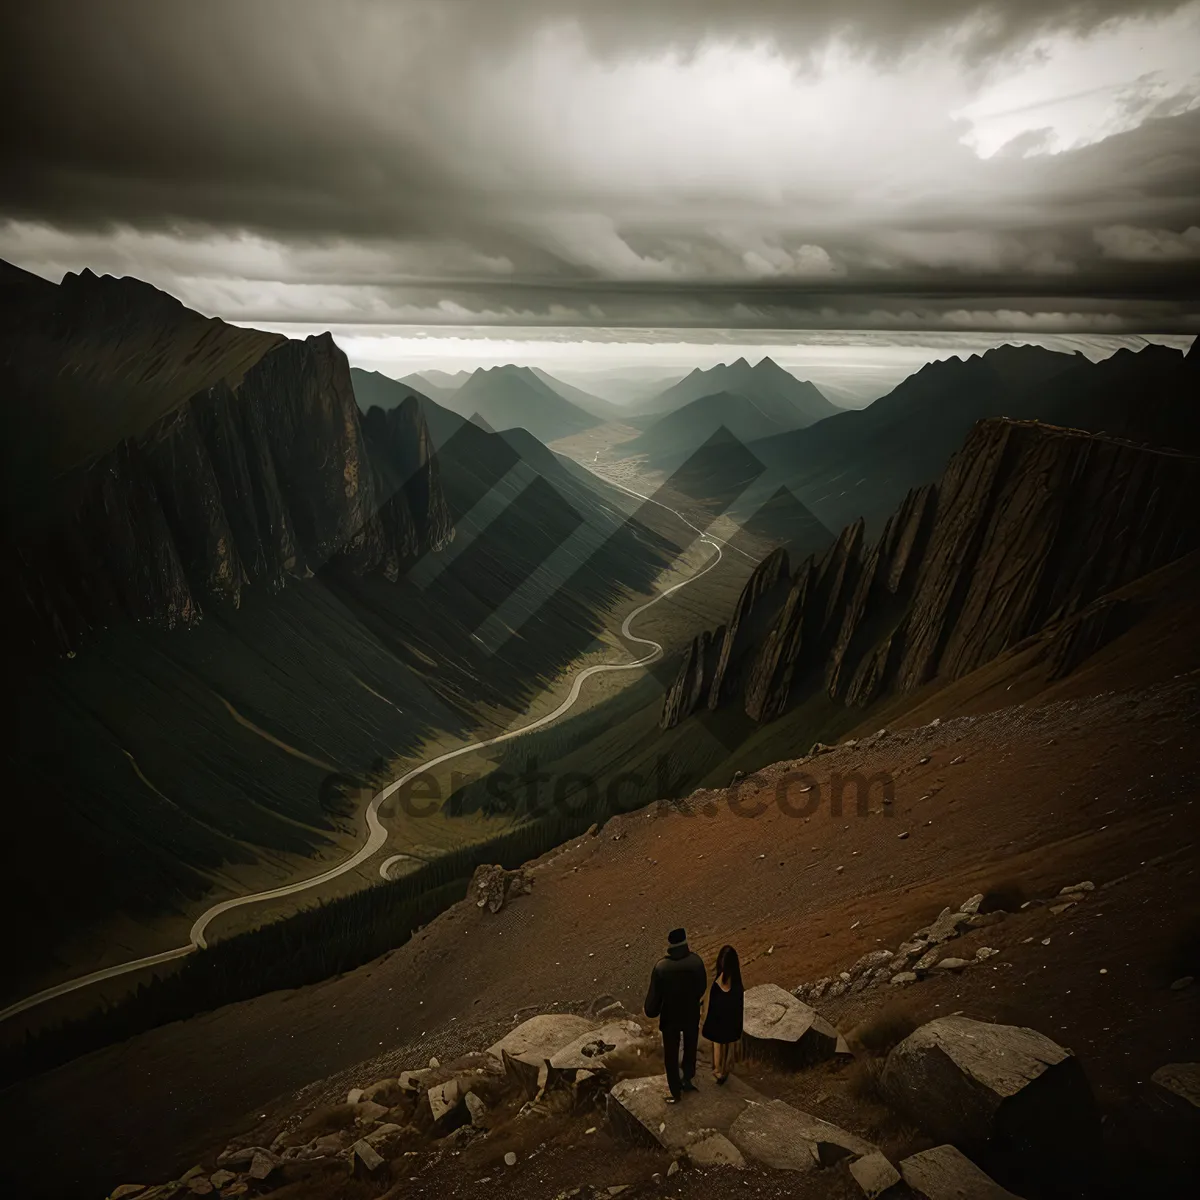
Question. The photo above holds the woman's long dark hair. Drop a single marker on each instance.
(728, 965)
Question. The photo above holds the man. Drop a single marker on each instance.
(677, 986)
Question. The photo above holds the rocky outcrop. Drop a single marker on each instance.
(694, 679)
(492, 886)
(221, 459)
(1029, 526)
(752, 616)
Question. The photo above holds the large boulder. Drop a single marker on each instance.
(945, 1173)
(592, 1050)
(784, 1138)
(527, 1050)
(638, 1111)
(493, 886)
(542, 1036)
(1008, 1092)
(779, 1028)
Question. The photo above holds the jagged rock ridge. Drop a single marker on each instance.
(1029, 525)
(267, 472)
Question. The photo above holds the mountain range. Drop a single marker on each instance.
(230, 586)
(793, 403)
(862, 462)
(511, 397)
(1030, 526)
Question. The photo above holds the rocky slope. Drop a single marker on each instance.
(1029, 523)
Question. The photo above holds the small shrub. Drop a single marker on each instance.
(862, 1080)
(883, 1029)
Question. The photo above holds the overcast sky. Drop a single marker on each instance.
(399, 168)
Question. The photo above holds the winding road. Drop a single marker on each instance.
(377, 835)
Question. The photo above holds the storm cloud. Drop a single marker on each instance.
(632, 163)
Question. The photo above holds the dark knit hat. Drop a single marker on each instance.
(677, 937)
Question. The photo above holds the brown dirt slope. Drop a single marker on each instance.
(1058, 787)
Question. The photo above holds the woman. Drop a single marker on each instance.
(723, 1021)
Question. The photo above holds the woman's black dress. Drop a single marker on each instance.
(723, 1021)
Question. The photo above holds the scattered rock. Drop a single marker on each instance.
(947, 927)
(874, 1174)
(200, 1186)
(927, 960)
(411, 1081)
(510, 1159)
(221, 1179)
(902, 836)
(126, 1190)
(871, 961)
(1086, 886)
(354, 1095)
(262, 1164)
(902, 978)
(951, 964)
(433, 1063)
(945, 1173)
(367, 1112)
(242, 1156)
(384, 1091)
(364, 1158)
(1180, 1079)
(444, 1100)
(973, 1083)
(784, 1138)
(985, 952)
(476, 1108)
(1184, 981)
(971, 907)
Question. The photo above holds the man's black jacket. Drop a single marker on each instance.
(677, 986)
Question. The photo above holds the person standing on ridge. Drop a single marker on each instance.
(677, 986)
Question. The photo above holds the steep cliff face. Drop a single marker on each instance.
(414, 507)
(1030, 525)
(261, 474)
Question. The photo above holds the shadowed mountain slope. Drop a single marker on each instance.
(512, 397)
(249, 598)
